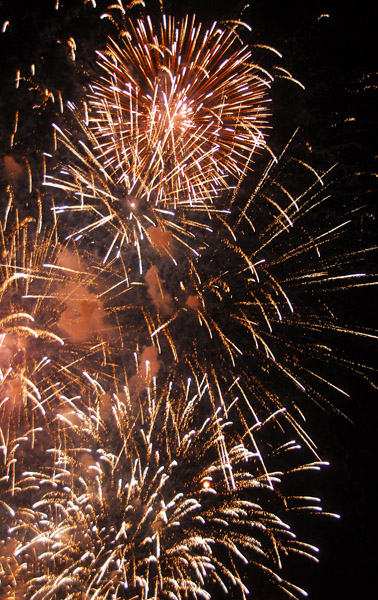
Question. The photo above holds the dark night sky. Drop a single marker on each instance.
(335, 59)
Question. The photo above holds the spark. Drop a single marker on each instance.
(166, 314)
(154, 500)
(178, 114)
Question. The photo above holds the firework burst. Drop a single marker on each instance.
(254, 295)
(148, 497)
(209, 288)
(178, 110)
(173, 122)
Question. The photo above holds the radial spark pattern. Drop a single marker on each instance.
(164, 318)
(177, 111)
(173, 122)
(155, 501)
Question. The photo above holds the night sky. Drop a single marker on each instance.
(335, 58)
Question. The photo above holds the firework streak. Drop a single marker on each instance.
(162, 327)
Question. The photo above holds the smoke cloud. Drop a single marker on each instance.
(84, 315)
(161, 299)
(149, 365)
(160, 239)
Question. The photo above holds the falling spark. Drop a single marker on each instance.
(165, 316)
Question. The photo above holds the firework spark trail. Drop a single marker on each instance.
(242, 299)
(51, 320)
(156, 500)
(173, 122)
(151, 489)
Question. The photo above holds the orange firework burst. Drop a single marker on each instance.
(149, 498)
(173, 122)
(178, 110)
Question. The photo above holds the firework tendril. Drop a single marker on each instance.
(171, 124)
(154, 502)
(164, 321)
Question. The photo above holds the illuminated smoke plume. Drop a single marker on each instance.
(159, 297)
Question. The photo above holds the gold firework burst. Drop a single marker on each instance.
(178, 111)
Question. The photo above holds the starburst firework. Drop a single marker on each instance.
(150, 498)
(149, 489)
(172, 123)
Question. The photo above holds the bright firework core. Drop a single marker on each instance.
(178, 111)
